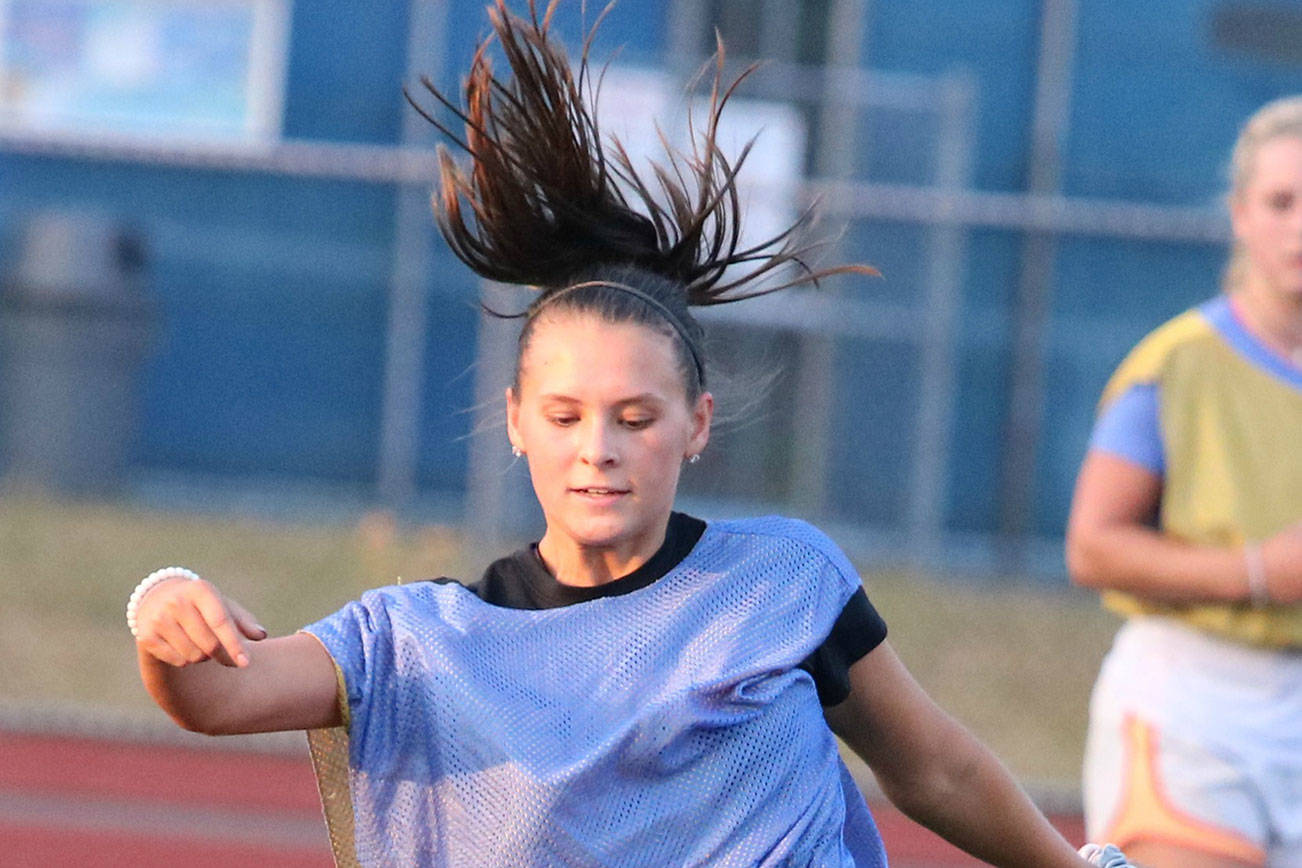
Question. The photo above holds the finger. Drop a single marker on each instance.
(168, 632)
(203, 634)
(245, 622)
(218, 619)
(161, 650)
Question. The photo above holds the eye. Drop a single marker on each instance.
(1281, 201)
(562, 420)
(636, 423)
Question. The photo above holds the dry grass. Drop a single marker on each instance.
(67, 568)
(1014, 665)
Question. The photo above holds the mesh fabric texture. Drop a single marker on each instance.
(668, 726)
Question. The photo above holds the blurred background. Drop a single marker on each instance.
(230, 335)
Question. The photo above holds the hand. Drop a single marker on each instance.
(1107, 856)
(1282, 557)
(182, 622)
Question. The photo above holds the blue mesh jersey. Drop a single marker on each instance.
(668, 726)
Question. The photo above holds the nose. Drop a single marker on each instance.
(599, 447)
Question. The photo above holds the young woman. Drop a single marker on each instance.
(1188, 516)
(640, 687)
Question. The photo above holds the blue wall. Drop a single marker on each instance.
(269, 357)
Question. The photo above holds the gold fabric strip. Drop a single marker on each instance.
(329, 750)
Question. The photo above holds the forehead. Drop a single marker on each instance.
(584, 356)
(1278, 162)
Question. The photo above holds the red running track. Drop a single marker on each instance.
(84, 802)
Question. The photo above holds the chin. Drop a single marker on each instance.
(598, 532)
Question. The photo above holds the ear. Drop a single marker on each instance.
(513, 419)
(702, 416)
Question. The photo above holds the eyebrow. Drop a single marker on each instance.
(644, 398)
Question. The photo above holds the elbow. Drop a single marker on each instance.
(913, 800)
(198, 727)
(204, 718)
(926, 795)
(210, 726)
(908, 796)
(192, 720)
(935, 777)
(1085, 562)
(216, 719)
(189, 706)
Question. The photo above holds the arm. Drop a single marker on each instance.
(196, 665)
(937, 773)
(1111, 544)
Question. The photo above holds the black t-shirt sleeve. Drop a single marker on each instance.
(858, 629)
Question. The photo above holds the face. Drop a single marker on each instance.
(603, 416)
(1267, 217)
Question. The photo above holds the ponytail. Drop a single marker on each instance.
(543, 202)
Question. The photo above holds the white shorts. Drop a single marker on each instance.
(1196, 741)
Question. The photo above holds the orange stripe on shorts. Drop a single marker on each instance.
(1146, 813)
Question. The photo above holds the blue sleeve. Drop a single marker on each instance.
(360, 639)
(1129, 428)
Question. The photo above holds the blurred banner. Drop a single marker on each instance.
(174, 69)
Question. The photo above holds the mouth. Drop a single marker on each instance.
(598, 491)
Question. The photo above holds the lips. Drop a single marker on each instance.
(599, 491)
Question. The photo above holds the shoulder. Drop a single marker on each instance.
(388, 602)
(409, 593)
(1189, 332)
(773, 529)
(382, 616)
(780, 536)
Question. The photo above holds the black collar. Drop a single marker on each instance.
(522, 581)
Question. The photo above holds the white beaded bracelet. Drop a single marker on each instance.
(147, 584)
(1258, 588)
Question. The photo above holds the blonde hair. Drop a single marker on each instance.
(1282, 117)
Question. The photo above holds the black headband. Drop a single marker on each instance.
(664, 311)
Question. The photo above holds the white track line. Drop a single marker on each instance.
(183, 823)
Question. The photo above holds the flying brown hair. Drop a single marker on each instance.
(543, 204)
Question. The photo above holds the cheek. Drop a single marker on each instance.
(1259, 239)
(660, 461)
(1268, 227)
(555, 445)
(659, 473)
(542, 442)
(1271, 241)
(665, 442)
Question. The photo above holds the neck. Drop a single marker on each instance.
(573, 563)
(1274, 318)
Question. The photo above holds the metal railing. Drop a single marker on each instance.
(947, 209)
